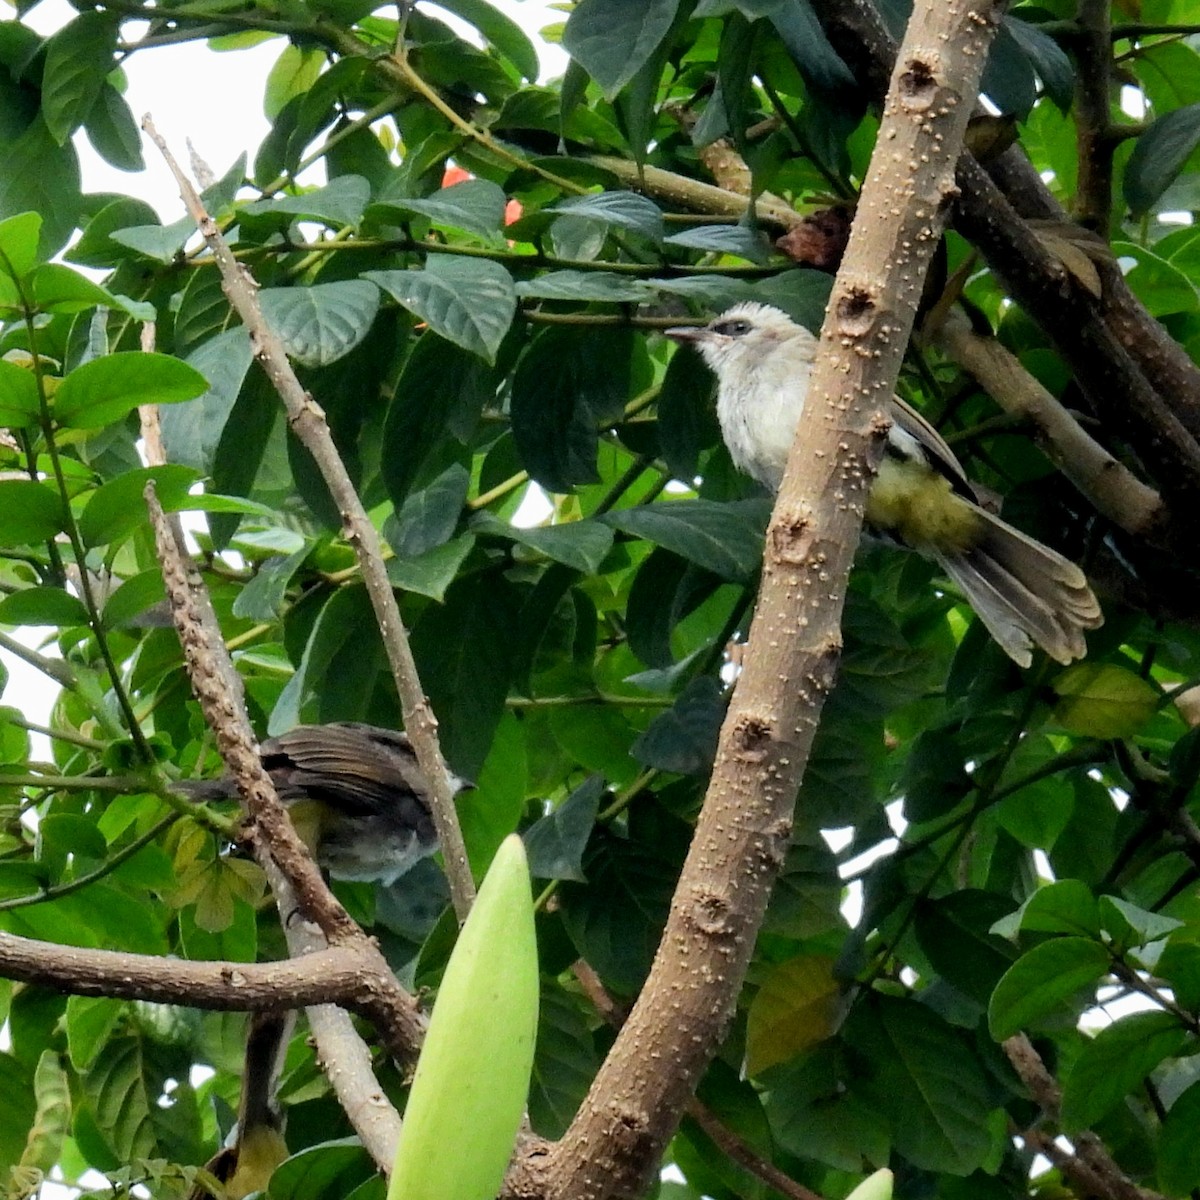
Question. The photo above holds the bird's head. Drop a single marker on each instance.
(743, 335)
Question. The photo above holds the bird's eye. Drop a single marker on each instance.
(735, 328)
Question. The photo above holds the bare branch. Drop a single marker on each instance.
(1108, 484)
(308, 422)
(644, 1084)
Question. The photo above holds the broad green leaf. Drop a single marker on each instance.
(341, 201)
(52, 1123)
(18, 1108)
(19, 244)
(19, 405)
(58, 289)
(431, 574)
(1178, 1146)
(334, 1168)
(470, 302)
(96, 247)
(954, 932)
(117, 1090)
(603, 286)
(1065, 906)
(798, 1005)
(615, 922)
(463, 651)
(113, 132)
(42, 606)
(931, 1088)
(875, 1187)
(564, 1063)
(118, 507)
(1049, 60)
(684, 738)
(428, 517)
(192, 432)
(78, 59)
(726, 539)
(102, 391)
(622, 210)
(555, 844)
(321, 323)
(1159, 155)
(579, 544)
(723, 239)
(567, 387)
(295, 71)
(42, 176)
(474, 206)
(29, 512)
(687, 423)
(1103, 700)
(612, 39)
(1042, 981)
(807, 896)
(1130, 926)
(91, 1020)
(472, 1079)
(1114, 1063)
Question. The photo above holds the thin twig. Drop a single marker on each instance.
(308, 422)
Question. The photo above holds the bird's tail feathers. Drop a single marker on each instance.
(1025, 593)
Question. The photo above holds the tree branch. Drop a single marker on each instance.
(682, 1013)
(1091, 1166)
(1094, 144)
(309, 424)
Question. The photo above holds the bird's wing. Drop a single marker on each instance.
(939, 454)
(357, 767)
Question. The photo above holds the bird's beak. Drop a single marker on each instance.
(687, 334)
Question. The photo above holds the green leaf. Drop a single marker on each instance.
(1178, 1146)
(684, 738)
(474, 206)
(723, 239)
(582, 545)
(462, 649)
(612, 39)
(322, 322)
(113, 132)
(927, 1083)
(602, 286)
(500, 32)
(42, 606)
(341, 201)
(564, 1063)
(102, 391)
(19, 244)
(726, 539)
(17, 1108)
(58, 289)
(687, 423)
(19, 406)
(42, 176)
(91, 1021)
(96, 247)
(799, 1005)
(429, 517)
(117, 1091)
(470, 302)
(1130, 926)
(192, 432)
(1065, 906)
(1159, 156)
(1115, 1062)
(472, 1079)
(615, 921)
(29, 512)
(556, 843)
(1047, 57)
(334, 1168)
(1103, 700)
(622, 210)
(955, 933)
(567, 386)
(1043, 982)
(78, 59)
(431, 574)
(118, 507)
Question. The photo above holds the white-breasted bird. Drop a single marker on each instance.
(1025, 593)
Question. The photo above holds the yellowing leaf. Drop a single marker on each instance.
(1102, 700)
(799, 1005)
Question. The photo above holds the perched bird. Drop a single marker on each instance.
(355, 794)
(255, 1146)
(1025, 593)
